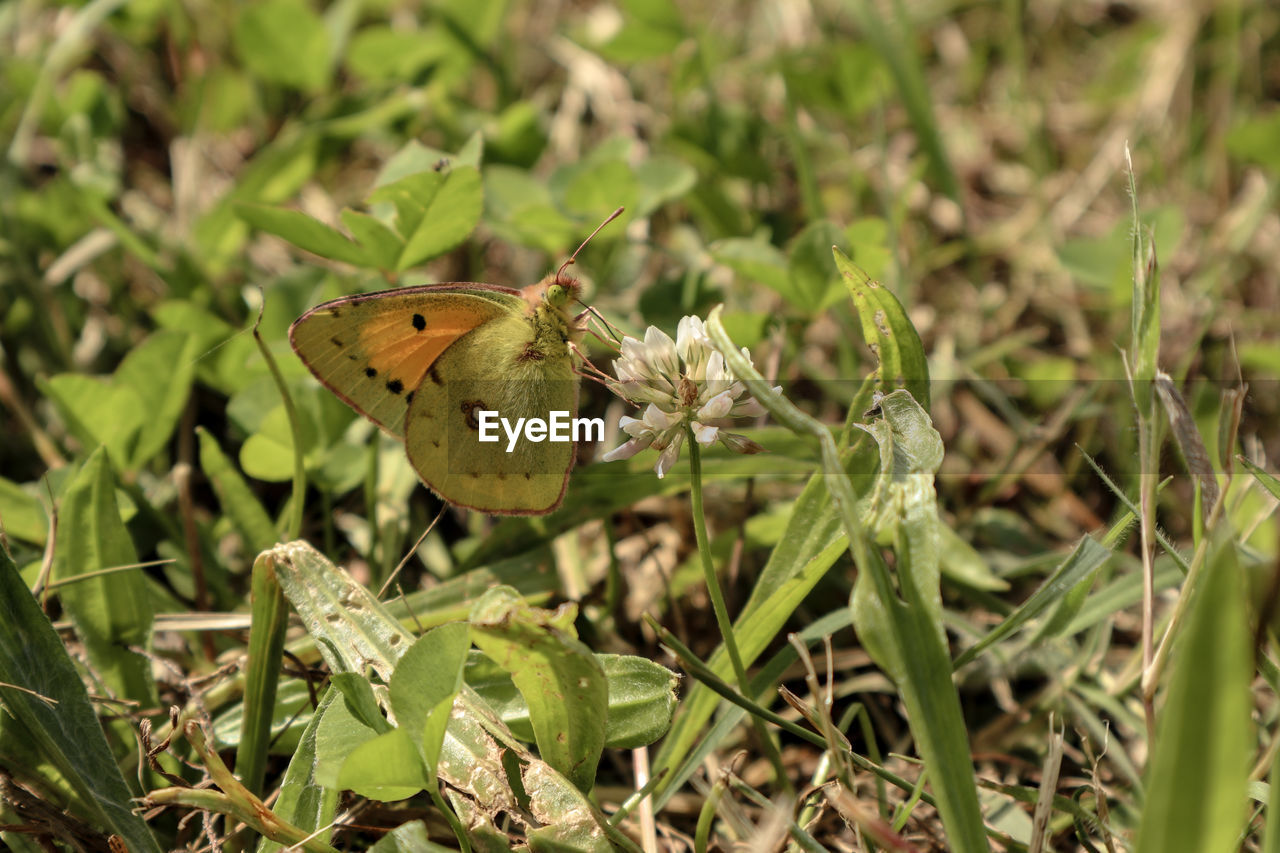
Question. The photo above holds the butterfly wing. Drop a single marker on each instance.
(493, 368)
(375, 350)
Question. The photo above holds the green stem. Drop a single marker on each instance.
(718, 605)
(708, 570)
(293, 522)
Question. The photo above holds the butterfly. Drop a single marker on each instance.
(439, 366)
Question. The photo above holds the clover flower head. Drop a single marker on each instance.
(681, 383)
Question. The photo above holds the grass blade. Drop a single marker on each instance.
(1198, 775)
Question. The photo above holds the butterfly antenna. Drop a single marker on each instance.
(574, 256)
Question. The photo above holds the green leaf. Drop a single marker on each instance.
(362, 702)
(159, 370)
(641, 698)
(414, 157)
(290, 716)
(268, 453)
(901, 511)
(220, 353)
(1271, 836)
(521, 210)
(1144, 317)
(1078, 569)
(111, 612)
(888, 332)
(385, 768)
(23, 515)
(134, 413)
(1205, 731)
(756, 261)
(908, 631)
(594, 189)
(660, 180)
(305, 232)
(381, 53)
(1268, 481)
(868, 240)
(285, 42)
(97, 411)
(408, 837)
(812, 274)
(235, 497)
(303, 801)
(354, 633)
(434, 211)
(561, 681)
(651, 29)
(40, 687)
(275, 174)
(425, 682)
(1256, 139)
(516, 135)
(962, 563)
(1103, 262)
(381, 245)
(339, 733)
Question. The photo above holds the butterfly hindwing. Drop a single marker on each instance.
(375, 350)
(494, 368)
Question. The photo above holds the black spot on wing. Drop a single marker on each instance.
(337, 343)
(395, 386)
(370, 372)
(408, 398)
(435, 377)
(419, 322)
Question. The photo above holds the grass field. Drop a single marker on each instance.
(994, 287)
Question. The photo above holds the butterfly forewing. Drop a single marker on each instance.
(374, 351)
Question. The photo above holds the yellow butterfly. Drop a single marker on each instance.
(440, 366)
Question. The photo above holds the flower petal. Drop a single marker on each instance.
(705, 434)
(748, 408)
(668, 456)
(717, 407)
(661, 420)
(661, 353)
(624, 451)
(635, 427)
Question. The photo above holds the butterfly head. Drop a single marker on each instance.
(555, 291)
(562, 290)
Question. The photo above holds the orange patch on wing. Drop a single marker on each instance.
(398, 350)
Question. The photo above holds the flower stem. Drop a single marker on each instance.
(718, 605)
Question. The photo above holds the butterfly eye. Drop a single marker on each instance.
(557, 295)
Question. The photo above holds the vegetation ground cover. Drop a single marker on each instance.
(1003, 578)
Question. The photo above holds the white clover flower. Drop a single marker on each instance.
(683, 383)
